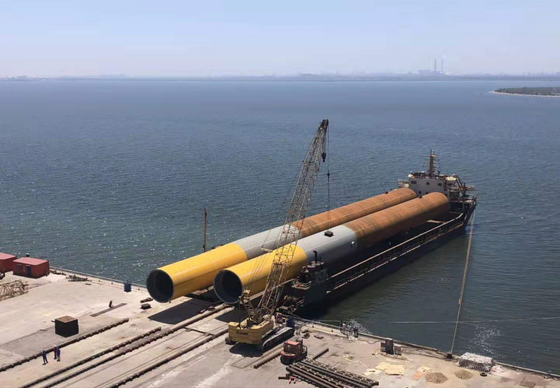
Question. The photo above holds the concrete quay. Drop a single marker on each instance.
(181, 344)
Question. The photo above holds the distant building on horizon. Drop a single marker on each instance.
(425, 72)
(433, 72)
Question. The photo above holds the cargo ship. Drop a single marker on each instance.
(338, 251)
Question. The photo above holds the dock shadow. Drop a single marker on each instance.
(181, 312)
(232, 316)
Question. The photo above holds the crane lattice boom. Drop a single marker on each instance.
(289, 235)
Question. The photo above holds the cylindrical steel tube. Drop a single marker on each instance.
(350, 237)
(188, 275)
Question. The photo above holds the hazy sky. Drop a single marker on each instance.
(206, 37)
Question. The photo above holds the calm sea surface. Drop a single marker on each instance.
(110, 178)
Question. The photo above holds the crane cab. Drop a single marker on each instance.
(264, 335)
(249, 334)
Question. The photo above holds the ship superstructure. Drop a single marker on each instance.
(425, 182)
(433, 181)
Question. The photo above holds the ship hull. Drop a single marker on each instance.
(339, 283)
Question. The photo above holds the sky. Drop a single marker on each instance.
(269, 37)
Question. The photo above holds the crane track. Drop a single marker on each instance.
(88, 359)
(64, 344)
(162, 359)
(82, 374)
(141, 342)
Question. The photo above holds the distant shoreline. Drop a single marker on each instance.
(296, 78)
(523, 95)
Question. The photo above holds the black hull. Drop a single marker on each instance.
(381, 262)
(389, 267)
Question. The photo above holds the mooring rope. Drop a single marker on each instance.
(328, 181)
(463, 285)
(475, 321)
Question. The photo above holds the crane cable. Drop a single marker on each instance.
(328, 181)
(463, 284)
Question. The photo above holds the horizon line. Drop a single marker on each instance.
(360, 75)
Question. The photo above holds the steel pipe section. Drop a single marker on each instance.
(350, 237)
(191, 274)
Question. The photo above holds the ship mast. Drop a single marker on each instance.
(431, 169)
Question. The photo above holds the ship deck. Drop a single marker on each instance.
(182, 344)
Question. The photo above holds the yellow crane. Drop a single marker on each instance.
(260, 328)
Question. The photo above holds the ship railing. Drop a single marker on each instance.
(382, 258)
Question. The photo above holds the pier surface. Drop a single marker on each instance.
(181, 344)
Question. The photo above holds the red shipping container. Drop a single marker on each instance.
(31, 267)
(6, 261)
